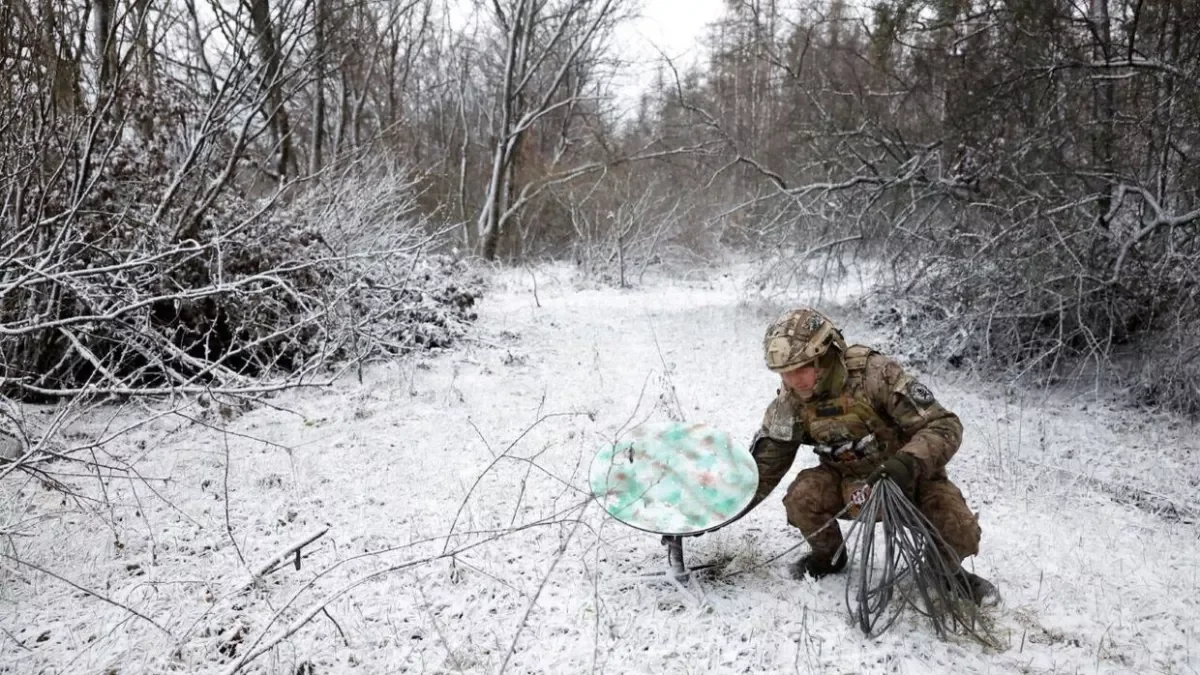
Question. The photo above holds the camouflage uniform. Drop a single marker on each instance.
(864, 410)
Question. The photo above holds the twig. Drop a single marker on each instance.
(636, 406)
(12, 637)
(345, 639)
(532, 276)
(463, 504)
(562, 549)
(777, 556)
(87, 591)
(524, 479)
(261, 645)
(667, 373)
(225, 489)
(270, 565)
(437, 628)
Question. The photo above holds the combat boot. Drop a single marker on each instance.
(817, 566)
(976, 589)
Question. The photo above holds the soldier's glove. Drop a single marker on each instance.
(902, 468)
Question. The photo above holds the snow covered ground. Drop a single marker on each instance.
(458, 535)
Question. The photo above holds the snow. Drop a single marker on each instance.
(491, 441)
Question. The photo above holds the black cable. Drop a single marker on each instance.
(909, 565)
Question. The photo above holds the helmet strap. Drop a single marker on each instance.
(833, 374)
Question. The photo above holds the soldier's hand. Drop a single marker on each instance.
(902, 468)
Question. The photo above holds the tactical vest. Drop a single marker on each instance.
(848, 418)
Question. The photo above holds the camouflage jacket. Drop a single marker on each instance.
(876, 411)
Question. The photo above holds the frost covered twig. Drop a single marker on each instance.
(86, 591)
(562, 549)
(237, 548)
(262, 644)
(491, 465)
(292, 550)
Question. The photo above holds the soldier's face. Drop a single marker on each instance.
(802, 380)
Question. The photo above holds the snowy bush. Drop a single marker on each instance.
(133, 272)
(1056, 299)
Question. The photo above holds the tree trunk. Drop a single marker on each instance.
(499, 180)
(105, 43)
(1104, 105)
(318, 113)
(276, 112)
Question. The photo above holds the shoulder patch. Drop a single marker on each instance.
(780, 421)
(920, 394)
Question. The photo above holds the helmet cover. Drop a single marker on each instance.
(798, 338)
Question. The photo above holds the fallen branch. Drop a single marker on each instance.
(283, 555)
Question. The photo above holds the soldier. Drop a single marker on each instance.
(867, 419)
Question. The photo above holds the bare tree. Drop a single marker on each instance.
(550, 50)
(269, 51)
(1025, 169)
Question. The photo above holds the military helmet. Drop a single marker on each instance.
(798, 338)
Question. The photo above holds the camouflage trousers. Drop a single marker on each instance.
(819, 494)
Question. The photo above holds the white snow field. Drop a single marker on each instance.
(1088, 516)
